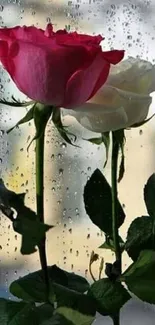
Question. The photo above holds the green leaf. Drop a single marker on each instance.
(149, 195)
(98, 203)
(31, 229)
(73, 299)
(16, 313)
(32, 287)
(22, 313)
(43, 313)
(109, 244)
(108, 296)
(140, 236)
(140, 278)
(74, 317)
(56, 118)
(76, 282)
(65, 316)
(57, 320)
(25, 119)
(26, 222)
(15, 103)
(9, 198)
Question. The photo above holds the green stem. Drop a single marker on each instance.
(116, 320)
(114, 165)
(40, 204)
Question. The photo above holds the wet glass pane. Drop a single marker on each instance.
(125, 25)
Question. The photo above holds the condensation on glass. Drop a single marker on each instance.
(128, 25)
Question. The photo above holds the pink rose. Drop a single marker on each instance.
(57, 68)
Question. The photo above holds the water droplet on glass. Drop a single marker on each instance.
(86, 272)
(61, 171)
(70, 219)
(1, 8)
(63, 145)
(48, 20)
(1, 132)
(54, 181)
(64, 212)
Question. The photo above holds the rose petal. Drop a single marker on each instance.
(4, 49)
(82, 82)
(119, 110)
(42, 74)
(25, 33)
(98, 118)
(114, 56)
(57, 68)
(49, 30)
(76, 39)
(111, 57)
(133, 75)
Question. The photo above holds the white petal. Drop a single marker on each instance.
(133, 75)
(115, 97)
(98, 118)
(117, 109)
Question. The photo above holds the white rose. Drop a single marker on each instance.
(123, 101)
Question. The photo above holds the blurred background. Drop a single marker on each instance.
(128, 25)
